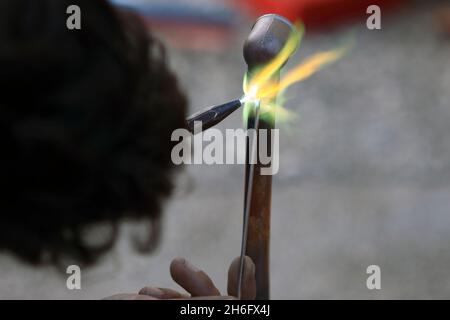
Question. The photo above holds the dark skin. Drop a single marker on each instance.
(198, 284)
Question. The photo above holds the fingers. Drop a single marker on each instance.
(162, 293)
(129, 296)
(211, 298)
(192, 279)
(248, 281)
(199, 285)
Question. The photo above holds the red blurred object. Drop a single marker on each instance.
(442, 17)
(191, 36)
(319, 14)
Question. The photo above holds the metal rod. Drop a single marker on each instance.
(251, 159)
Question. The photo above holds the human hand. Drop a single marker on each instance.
(198, 284)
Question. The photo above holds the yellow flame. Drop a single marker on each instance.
(264, 84)
(300, 73)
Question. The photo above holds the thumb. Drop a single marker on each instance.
(248, 280)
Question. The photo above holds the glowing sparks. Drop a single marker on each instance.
(264, 84)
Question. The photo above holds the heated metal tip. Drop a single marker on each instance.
(249, 99)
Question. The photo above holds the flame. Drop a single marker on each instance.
(265, 86)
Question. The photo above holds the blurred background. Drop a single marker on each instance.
(365, 171)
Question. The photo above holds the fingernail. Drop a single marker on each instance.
(154, 292)
(190, 266)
